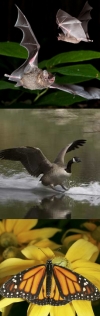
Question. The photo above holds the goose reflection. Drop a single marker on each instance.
(52, 207)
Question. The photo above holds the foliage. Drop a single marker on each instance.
(78, 71)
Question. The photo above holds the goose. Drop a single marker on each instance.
(37, 164)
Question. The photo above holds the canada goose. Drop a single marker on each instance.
(36, 163)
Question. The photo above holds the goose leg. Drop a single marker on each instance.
(52, 187)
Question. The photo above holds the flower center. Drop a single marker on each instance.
(8, 239)
(62, 261)
(12, 252)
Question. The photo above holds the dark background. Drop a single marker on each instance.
(42, 18)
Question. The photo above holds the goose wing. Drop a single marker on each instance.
(76, 144)
(32, 159)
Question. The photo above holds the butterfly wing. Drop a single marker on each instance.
(58, 286)
(71, 286)
(26, 284)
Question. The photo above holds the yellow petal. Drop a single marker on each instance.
(87, 265)
(68, 241)
(23, 225)
(37, 310)
(46, 243)
(7, 301)
(83, 308)
(67, 310)
(33, 252)
(9, 224)
(6, 310)
(2, 228)
(41, 233)
(72, 230)
(90, 226)
(14, 265)
(81, 250)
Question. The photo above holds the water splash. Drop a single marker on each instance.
(22, 187)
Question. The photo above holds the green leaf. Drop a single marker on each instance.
(70, 79)
(72, 57)
(85, 71)
(13, 50)
(7, 85)
(58, 98)
(16, 50)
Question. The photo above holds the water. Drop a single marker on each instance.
(22, 195)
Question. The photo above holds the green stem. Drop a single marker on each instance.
(40, 94)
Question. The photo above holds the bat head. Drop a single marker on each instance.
(49, 77)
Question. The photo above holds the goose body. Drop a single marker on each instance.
(37, 164)
(56, 175)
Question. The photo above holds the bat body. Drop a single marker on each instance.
(31, 77)
(74, 30)
(37, 79)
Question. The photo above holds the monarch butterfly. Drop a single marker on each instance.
(49, 284)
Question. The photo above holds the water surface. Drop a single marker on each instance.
(22, 195)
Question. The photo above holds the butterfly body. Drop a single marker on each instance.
(49, 284)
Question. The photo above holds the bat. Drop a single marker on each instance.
(28, 74)
(31, 77)
(74, 30)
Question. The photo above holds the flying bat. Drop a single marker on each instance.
(31, 77)
(74, 30)
(36, 163)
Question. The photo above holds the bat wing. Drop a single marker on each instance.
(85, 16)
(30, 42)
(70, 25)
(94, 92)
(87, 93)
(73, 89)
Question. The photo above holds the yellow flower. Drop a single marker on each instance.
(92, 235)
(78, 258)
(16, 233)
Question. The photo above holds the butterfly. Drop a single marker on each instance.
(51, 284)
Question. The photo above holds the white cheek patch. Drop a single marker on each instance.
(74, 160)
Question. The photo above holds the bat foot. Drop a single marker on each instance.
(5, 75)
(90, 40)
(13, 77)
